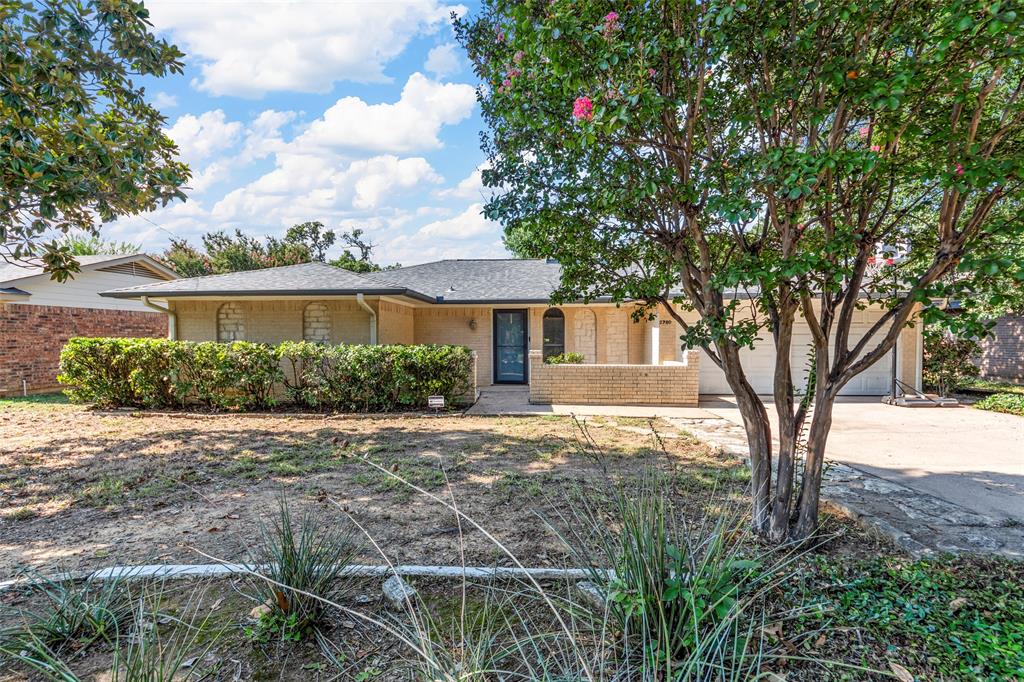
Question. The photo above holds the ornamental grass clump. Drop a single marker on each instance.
(69, 615)
(687, 601)
(300, 569)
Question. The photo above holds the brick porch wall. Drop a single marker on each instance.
(669, 384)
(31, 338)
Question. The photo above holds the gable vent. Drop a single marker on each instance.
(134, 269)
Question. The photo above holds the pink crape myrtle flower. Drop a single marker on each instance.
(611, 17)
(583, 109)
(959, 170)
(518, 56)
(864, 132)
(876, 148)
(507, 82)
(652, 72)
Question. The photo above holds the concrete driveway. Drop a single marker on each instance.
(969, 457)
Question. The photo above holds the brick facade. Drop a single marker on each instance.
(31, 338)
(1002, 354)
(670, 384)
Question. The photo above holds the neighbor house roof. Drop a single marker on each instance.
(12, 272)
(307, 279)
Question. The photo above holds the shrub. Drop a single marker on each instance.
(948, 360)
(1010, 403)
(565, 359)
(244, 376)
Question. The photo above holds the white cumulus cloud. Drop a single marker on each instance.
(411, 123)
(254, 48)
(443, 60)
(466, 235)
(198, 137)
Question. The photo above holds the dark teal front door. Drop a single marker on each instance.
(510, 346)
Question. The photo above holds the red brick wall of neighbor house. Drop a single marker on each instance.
(1002, 354)
(31, 337)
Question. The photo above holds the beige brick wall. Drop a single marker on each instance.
(196, 320)
(673, 384)
(271, 321)
(451, 326)
(395, 323)
(909, 349)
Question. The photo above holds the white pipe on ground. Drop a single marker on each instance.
(173, 571)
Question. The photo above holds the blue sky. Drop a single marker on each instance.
(357, 114)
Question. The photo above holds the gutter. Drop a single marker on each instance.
(373, 318)
(172, 319)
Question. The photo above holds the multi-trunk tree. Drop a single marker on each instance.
(763, 167)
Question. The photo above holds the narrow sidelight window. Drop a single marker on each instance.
(554, 332)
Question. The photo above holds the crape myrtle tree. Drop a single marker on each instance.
(761, 165)
(79, 143)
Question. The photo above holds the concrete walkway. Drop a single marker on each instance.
(916, 521)
(972, 458)
(515, 401)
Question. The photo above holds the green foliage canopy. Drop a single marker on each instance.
(79, 143)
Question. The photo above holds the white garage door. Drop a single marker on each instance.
(759, 363)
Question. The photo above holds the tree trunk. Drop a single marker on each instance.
(821, 423)
(778, 530)
(759, 436)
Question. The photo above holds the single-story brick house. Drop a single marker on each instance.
(38, 314)
(500, 308)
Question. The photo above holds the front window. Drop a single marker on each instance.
(554, 332)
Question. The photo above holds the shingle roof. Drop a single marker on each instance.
(290, 280)
(479, 280)
(10, 272)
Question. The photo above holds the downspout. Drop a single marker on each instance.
(172, 319)
(373, 318)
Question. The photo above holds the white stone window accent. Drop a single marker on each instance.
(316, 323)
(230, 323)
(585, 328)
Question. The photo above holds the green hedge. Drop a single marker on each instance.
(246, 376)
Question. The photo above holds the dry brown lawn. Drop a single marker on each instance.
(81, 489)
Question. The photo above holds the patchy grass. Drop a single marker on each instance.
(943, 618)
(158, 487)
(41, 401)
(987, 386)
(1009, 403)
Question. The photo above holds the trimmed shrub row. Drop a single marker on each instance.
(245, 376)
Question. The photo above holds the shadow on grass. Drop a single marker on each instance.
(155, 482)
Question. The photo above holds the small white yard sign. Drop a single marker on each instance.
(435, 402)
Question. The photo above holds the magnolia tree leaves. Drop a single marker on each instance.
(79, 143)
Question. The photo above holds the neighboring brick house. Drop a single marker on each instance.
(499, 308)
(38, 314)
(1002, 353)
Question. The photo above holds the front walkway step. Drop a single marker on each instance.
(919, 523)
